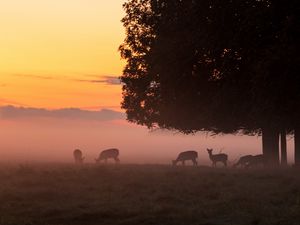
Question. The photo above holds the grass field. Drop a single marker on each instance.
(147, 194)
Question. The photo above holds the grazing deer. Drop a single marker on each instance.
(217, 158)
(256, 160)
(112, 153)
(78, 156)
(187, 155)
(243, 161)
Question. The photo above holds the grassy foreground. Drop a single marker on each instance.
(147, 194)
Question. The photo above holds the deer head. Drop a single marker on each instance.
(209, 150)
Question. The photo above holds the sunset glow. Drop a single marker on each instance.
(59, 88)
(58, 54)
(132, 112)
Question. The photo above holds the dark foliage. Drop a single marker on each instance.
(219, 66)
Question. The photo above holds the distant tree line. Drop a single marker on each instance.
(214, 65)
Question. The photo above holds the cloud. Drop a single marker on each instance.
(35, 76)
(12, 112)
(110, 80)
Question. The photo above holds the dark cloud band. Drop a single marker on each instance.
(12, 112)
(109, 80)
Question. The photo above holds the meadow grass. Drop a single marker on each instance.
(147, 194)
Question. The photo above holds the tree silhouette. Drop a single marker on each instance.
(218, 66)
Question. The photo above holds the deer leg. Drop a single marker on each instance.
(195, 162)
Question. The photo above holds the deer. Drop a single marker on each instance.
(187, 155)
(111, 153)
(77, 153)
(243, 161)
(256, 160)
(217, 158)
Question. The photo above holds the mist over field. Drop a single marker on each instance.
(74, 73)
(39, 135)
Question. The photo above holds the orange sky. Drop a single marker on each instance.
(58, 53)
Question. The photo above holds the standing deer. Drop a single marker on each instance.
(112, 153)
(78, 156)
(243, 161)
(187, 155)
(217, 158)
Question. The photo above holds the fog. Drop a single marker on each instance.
(52, 138)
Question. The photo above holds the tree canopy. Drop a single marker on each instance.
(218, 66)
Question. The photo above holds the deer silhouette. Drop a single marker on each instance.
(111, 153)
(217, 158)
(243, 161)
(78, 156)
(187, 155)
(256, 160)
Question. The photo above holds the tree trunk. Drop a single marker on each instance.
(270, 143)
(283, 147)
(297, 147)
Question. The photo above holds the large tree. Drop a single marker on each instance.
(207, 65)
(275, 78)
